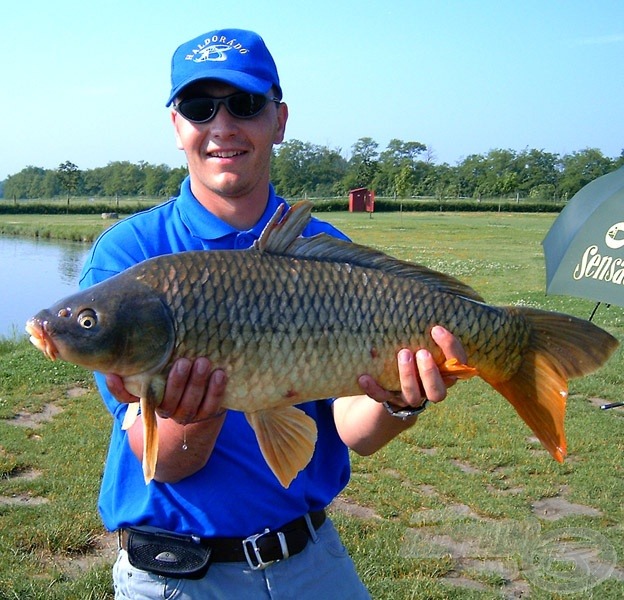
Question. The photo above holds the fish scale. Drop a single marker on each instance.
(297, 319)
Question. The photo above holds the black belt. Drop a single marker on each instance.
(258, 550)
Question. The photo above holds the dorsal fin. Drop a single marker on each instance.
(278, 235)
(283, 238)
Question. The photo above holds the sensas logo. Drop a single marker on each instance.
(603, 267)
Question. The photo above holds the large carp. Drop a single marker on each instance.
(295, 319)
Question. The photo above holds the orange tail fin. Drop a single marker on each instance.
(561, 347)
(538, 392)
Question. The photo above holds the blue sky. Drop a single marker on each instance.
(87, 81)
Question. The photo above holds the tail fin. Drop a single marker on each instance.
(562, 347)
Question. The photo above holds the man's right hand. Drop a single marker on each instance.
(194, 391)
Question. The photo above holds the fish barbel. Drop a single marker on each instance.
(295, 319)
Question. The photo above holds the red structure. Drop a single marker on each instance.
(361, 200)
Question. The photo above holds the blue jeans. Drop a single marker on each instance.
(322, 570)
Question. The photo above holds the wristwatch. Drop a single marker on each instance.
(404, 413)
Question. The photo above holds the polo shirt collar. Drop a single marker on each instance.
(205, 225)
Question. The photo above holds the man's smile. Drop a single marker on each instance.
(225, 153)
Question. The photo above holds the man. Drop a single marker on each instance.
(215, 522)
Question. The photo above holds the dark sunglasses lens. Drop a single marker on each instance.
(245, 106)
(197, 109)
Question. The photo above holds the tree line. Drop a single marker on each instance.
(301, 169)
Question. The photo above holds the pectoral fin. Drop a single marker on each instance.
(132, 412)
(286, 437)
(150, 438)
(151, 396)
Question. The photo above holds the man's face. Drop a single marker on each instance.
(228, 157)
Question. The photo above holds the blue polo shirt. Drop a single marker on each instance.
(235, 494)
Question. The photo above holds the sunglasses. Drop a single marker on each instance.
(241, 105)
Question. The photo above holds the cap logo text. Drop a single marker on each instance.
(215, 49)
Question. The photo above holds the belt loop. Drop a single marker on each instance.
(283, 545)
(311, 530)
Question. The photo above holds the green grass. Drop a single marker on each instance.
(453, 496)
(77, 228)
(55, 520)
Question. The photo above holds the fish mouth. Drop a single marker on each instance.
(40, 338)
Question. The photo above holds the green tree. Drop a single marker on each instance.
(174, 181)
(93, 181)
(27, 184)
(404, 182)
(155, 179)
(471, 175)
(398, 168)
(538, 169)
(124, 178)
(363, 164)
(300, 168)
(579, 168)
(68, 175)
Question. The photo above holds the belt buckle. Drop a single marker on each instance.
(250, 545)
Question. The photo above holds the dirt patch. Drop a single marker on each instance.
(428, 451)
(484, 552)
(104, 552)
(512, 491)
(35, 420)
(465, 467)
(49, 411)
(553, 509)
(22, 500)
(76, 392)
(512, 588)
(352, 509)
(428, 490)
(24, 475)
(616, 411)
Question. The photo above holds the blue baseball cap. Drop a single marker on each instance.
(234, 56)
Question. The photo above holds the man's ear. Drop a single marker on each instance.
(282, 117)
(174, 120)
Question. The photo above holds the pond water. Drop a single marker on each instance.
(34, 274)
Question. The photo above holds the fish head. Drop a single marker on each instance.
(118, 326)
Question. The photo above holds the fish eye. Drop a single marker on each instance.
(87, 319)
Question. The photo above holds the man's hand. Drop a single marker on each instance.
(194, 392)
(419, 375)
(190, 417)
(364, 425)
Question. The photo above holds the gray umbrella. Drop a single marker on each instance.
(584, 249)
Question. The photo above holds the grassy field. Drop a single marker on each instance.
(464, 505)
(77, 228)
